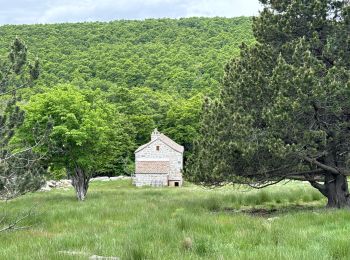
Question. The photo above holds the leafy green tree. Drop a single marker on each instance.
(146, 109)
(182, 121)
(284, 110)
(20, 168)
(154, 63)
(88, 135)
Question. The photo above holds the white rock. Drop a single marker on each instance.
(66, 182)
(72, 253)
(104, 178)
(45, 188)
(116, 178)
(104, 257)
(273, 218)
(51, 184)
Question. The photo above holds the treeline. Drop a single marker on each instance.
(155, 72)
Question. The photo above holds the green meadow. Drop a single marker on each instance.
(286, 221)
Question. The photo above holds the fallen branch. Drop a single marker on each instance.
(15, 224)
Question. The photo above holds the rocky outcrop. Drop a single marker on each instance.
(102, 178)
(61, 184)
(105, 178)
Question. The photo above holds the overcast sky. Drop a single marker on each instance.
(54, 11)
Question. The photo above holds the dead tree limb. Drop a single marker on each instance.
(16, 223)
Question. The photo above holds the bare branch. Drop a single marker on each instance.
(265, 185)
(12, 90)
(24, 150)
(15, 224)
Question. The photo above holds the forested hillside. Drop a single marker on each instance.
(155, 72)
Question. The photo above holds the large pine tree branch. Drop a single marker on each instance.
(320, 187)
(325, 167)
(305, 175)
(262, 181)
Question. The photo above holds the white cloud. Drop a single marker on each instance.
(75, 11)
(223, 8)
(51, 11)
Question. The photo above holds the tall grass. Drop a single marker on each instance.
(120, 220)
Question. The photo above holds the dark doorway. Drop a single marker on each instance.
(176, 184)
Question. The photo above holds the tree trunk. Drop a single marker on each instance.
(80, 182)
(337, 191)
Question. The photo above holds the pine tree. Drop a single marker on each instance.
(20, 168)
(284, 109)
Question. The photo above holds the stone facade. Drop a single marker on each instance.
(158, 166)
(155, 180)
(159, 162)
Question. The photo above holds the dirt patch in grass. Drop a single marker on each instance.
(271, 212)
(260, 212)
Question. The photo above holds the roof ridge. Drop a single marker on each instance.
(165, 139)
(171, 143)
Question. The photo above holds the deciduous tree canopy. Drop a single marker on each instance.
(88, 135)
(154, 70)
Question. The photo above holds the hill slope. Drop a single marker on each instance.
(165, 54)
(155, 71)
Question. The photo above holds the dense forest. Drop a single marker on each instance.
(154, 73)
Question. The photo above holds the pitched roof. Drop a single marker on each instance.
(171, 143)
(152, 167)
(162, 137)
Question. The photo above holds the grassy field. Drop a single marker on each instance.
(283, 222)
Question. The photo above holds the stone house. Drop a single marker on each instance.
(159, 162)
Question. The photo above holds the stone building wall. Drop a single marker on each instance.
(157, 180)
(164, 152)
(159, 163)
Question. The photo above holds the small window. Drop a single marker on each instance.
(157, 147)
